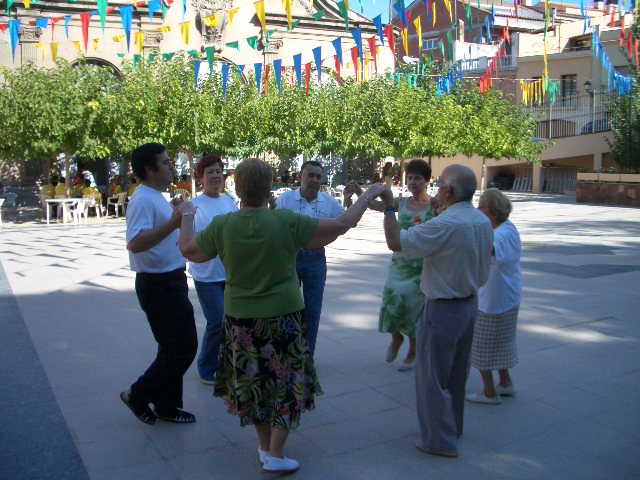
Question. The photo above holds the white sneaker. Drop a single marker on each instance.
(509, 391)
(263, 454)
(280, 465)
(482, 398)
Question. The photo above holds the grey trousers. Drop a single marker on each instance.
(444, 342)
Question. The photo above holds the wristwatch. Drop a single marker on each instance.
(389, 209)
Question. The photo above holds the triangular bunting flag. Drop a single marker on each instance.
(259, 6)
(277, 67)
(184, 30)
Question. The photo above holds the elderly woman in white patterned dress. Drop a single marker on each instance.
(494, 337)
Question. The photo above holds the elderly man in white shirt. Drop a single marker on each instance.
(456, 248)
(311, 263)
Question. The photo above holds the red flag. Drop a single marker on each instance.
(635, 44)
(388, 32)
(613, 14)
(53, 25)
(337, 62)
(3, 27)
(629, 44)
(506, 35)
(266, 77)
(292, 78)
(621, 31)
(372, 48)
(354, 59)
(515, 5)
(307, 76)
(85, 18)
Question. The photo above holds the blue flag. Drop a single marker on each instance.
(125, 14)
(257, 68)
(14, 30)
(377, 21)
(317, 55)
(297, 64)
(225, 78)
(277, 66)
(337, 44)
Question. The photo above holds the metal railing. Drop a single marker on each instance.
(572, 115)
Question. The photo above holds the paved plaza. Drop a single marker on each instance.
(72, 336)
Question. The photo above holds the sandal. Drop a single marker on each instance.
(145, 416)
(178, 416)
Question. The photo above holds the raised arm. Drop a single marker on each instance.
(187, 240)
(391, 225)
(331, 228)
(150, 238)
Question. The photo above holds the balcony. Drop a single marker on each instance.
(507, 62)
(573, 115)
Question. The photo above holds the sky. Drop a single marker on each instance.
(372, 8)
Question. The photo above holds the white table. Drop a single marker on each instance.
(65, 202)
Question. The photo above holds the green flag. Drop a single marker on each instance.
(253, 42)
(209, 52)
(344, 13)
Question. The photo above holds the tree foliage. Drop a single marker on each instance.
(87, 110)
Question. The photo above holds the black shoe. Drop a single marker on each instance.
(145, 415)
(176, 416)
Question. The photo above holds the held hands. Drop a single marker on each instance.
(376, 190)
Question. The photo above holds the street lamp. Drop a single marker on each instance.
(587, 87)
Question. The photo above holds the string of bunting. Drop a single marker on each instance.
(615, 81)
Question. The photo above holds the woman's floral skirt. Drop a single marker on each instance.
(265, 373)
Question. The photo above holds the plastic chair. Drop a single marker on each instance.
(91, 202)
(117, 202)
(185, 194)
(79, 210)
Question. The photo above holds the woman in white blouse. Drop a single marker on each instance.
(209, 277)
(494, 337)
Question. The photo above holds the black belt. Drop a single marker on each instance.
(452, 299)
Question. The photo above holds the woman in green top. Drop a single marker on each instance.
(402, 300)
(266, 374)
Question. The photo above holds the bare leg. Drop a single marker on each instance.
(396, 341)
(505, 378)
(278, 439)
(264, 435)
(411, 354)
(487, 380)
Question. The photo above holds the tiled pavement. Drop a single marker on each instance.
(72, 336)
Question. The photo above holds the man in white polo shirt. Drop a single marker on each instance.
(311, 263)
(161, 287)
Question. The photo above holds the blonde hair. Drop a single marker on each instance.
(498, 204)
(253, 182)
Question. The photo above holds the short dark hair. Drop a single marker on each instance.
(420, 167)
(87, 182)
(313, 163)
(205, 162)
(145, 156)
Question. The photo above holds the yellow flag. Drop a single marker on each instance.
(41, 47)
(447, 3)
(184, 29)
(405, 40)
(27, 3)
(77, 45)
(210, 21)
(287, 8)
(139, 41)
(433, 9)
(367, 58)
(346, 4)
(261, 15)
(165, 29)
(231, 13)
(416, 22)
(54, 51)
(119, 38)
(95, 44)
